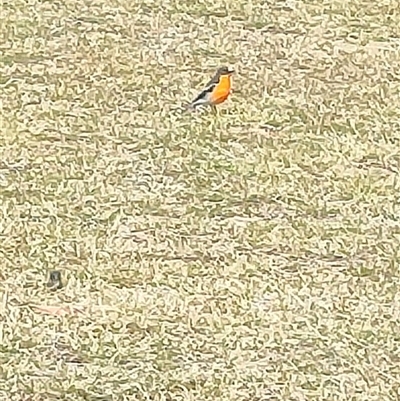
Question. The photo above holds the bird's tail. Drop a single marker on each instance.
(190, 106)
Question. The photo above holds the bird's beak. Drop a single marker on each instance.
(231, 70)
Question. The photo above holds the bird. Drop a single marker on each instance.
(217, 89)
(55, 282)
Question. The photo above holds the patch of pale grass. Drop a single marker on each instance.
(204, 257)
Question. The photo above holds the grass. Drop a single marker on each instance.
(209, 258)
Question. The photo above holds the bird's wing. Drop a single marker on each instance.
(214, 80)
(205, 92)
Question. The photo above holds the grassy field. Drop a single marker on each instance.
(251, 255)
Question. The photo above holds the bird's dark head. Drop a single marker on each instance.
(226, 70)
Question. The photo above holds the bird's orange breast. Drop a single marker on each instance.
(222, 90)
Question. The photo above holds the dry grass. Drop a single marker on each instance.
(204, 257)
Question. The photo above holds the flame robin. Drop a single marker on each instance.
(216, 91)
